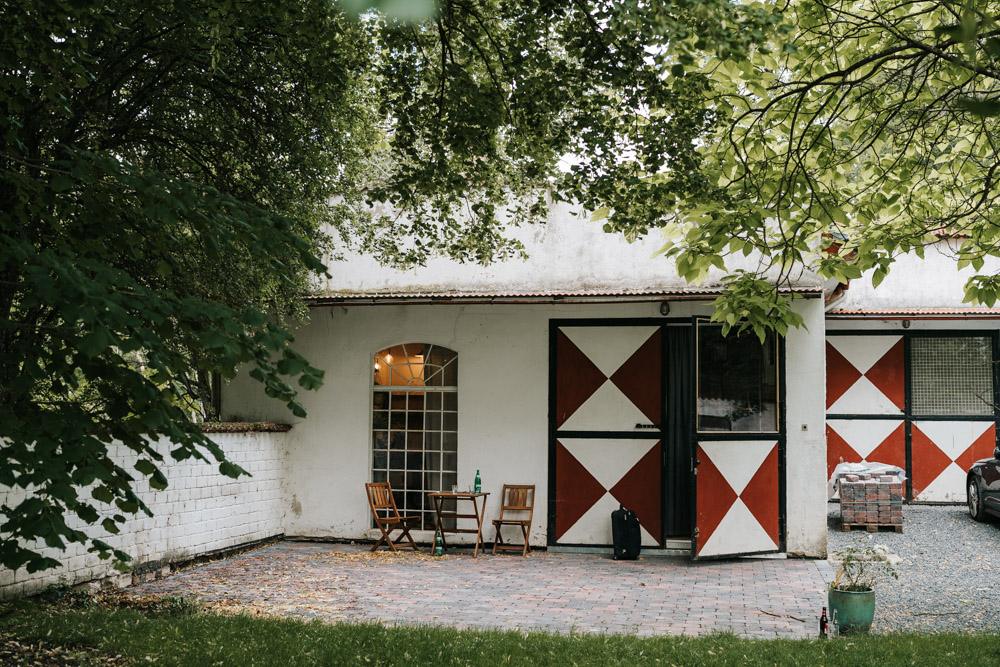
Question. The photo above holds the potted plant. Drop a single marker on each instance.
(852, 591)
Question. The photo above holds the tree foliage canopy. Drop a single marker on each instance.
(482, 103)
(168, 170)
(868, 123)
(165, 171)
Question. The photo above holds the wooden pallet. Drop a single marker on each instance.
(872, 527)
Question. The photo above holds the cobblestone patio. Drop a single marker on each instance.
(949, 577)
(564, 593)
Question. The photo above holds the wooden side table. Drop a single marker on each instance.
(479, 513)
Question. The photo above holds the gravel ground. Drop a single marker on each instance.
(949, 578)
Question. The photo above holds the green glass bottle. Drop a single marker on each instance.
(438, 545)
(479, 484)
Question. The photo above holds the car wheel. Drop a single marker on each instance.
(975, 497)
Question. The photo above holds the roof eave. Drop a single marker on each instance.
(916, 314)
(567, 297)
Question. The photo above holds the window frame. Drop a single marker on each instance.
(910, 373)
(447, 426)
(778, 378)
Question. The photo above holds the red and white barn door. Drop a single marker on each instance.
(737, 502)
(935, 429)
(607, 421)
(738, 454)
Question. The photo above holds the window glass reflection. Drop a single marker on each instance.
(737, 381)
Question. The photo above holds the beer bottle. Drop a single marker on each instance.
(822, 624)
(479, 484)
(438, 545)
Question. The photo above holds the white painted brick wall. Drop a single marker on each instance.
(200, 511)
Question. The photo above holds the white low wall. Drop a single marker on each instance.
(200, 512)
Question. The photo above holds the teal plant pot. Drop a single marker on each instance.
(852, 612)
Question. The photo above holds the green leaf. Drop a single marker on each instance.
(95, 342)
(230, 469)
(62, 182)
(145, 466)
(158, 480)
(311, 381)
(980, 107)
(291, 366)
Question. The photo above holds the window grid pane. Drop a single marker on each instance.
(420, 413)
(951, 376)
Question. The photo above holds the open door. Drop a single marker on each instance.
(738, 448)
(737, 504)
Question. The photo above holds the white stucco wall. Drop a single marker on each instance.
(805, 450)
(931, 282)
(568, 252)
(199, 512)
(503, 408)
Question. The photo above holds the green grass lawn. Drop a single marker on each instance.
(175, 633)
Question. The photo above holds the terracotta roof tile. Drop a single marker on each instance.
(914, 313)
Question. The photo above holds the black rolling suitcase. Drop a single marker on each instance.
(625, 533)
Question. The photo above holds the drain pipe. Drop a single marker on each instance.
(834, 292)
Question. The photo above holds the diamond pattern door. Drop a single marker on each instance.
(864, 375)
(607, 420)
(942, 452)
(737, 505)
(868, 419)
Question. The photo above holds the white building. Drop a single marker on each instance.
(584, 370)
(590, 370)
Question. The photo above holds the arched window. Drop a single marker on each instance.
(415, 424)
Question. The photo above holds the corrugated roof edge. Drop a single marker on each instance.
(914, 313)
(561, 296)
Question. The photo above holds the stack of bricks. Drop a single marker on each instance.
(871, 501)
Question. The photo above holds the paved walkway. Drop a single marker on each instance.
(564, 593)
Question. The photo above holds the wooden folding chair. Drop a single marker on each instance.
(516, 499)
(380, 500)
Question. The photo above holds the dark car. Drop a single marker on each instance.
(983, 487)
